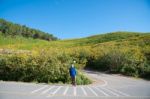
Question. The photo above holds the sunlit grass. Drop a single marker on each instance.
(31, 44)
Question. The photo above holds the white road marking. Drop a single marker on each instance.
(34, 91)
(47, 90)
(74, 91)
(101, 91)
(119, 92)
(92, 91)
(66, 90)
(84, 91)
(55, 91)
(98, 88)
(110, 91)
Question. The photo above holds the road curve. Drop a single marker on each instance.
(106, 86)
(134, 87)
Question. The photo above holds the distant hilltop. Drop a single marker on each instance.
(11, 29)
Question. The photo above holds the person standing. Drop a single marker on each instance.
(73, 73)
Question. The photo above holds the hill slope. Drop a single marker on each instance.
(11, 29)
(29, 43)
(28, 59)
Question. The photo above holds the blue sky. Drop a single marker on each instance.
(78, 18)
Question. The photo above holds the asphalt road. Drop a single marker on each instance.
(106, 86)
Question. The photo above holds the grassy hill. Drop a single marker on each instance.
(18, 42)
(28, 59)
(12, 29)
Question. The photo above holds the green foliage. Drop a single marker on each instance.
(126, 60)
(80, 55)
(42, 67)
(81, 79)
(11, 29)
(28, 59)
(112, 61)
(135, 63)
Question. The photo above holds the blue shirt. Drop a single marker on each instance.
(72, 71)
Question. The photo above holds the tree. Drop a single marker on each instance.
(9, 28)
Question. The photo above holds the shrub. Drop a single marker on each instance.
(129, 70)
(110, 59)
(80, 55)
(48, 67)
(82, 79)
(126, 60)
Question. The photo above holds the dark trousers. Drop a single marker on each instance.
(73, 79)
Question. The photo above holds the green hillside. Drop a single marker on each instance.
(12, 29)
(28, 59)
(18, 42)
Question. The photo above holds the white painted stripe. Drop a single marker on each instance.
(101, 91)
(84, 91)
(119, 92)
(34, 91)
(92, 91)
(111, 91)
(47, 90)
(56, 90)
(74, 91)
(66, 90)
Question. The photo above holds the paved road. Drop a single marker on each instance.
(105, 87)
